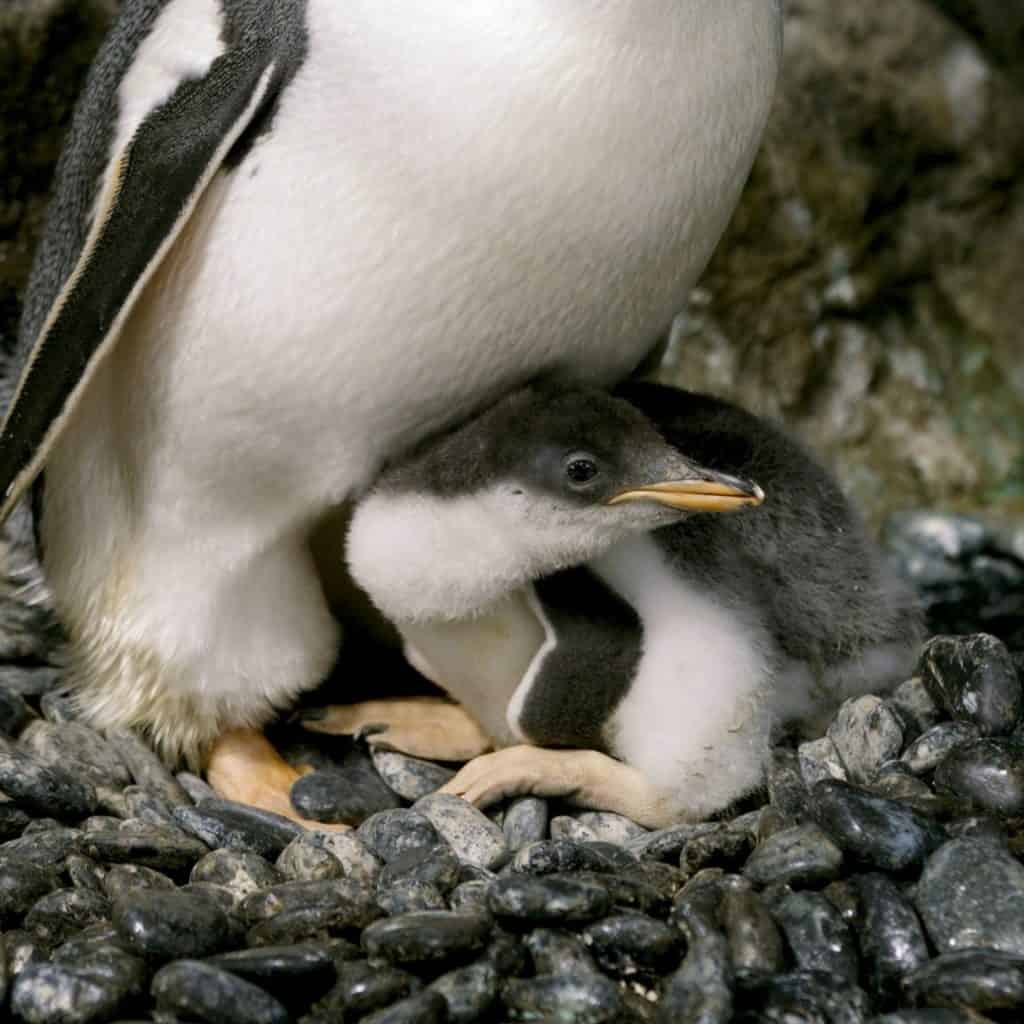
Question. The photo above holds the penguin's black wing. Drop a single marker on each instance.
(148, 191)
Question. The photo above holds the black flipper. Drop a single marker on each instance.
(149, 191)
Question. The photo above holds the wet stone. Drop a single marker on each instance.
(95, 941)
(12, 821)
(409, 895)
(786, 788)
(410, 777)
(198, 991)
(301, 973)
(565, 827)
(345, 900)
(975, 680)
(22, 949)
(915, 707)
(819, 760)
(547, 900)
(469, 992)
(629, 944)
(362, 989)
(892, 940)
(82, 751)
(22, 883)
(875, 831)
(164, 925)
(151, 846)
(393, 833)
(224, 824)
(437, 866)
(332, 796)
(700, 992)
(554, 951)
(818, 936)
(894, 782)
(866, 733)
(971, 893)
(981, 979)
(526, 821)
(631, 890)
(426, 1007)
(802, 855)
(989, 774)
(507, 955)
(666, 844)
(356, 860)
(305, 859)
(470, 833)
(725, 847)
(931, 1016)
(240, 872)
(84, 873)
(149, 807)
(147, 769)
(196, 788)
(428, 938)
(76, 994)
(551, 856)
(43, 790)
(58, 915)
(932, 747)
(755, 943)
(807, 996)
(583, 999)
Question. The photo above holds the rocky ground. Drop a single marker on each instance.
(878, 878)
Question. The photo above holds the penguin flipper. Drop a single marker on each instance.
(148, 191)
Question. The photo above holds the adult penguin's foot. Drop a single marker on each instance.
(428, 727)
(244, 766)
(587, 778)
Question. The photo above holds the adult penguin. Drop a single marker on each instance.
(290, 238)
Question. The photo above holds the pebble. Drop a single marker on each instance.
(971, 893)
(550, 856)
(390, 834)
(301, 973)
(165, 925)
(526, 821)
(989, 774)
(30, 683)
(59, 914)
(866, 733)
(628, 944)
(240, 872)
(426, 1007)
(346, 793)
(894, 782)
(147, 769)
(872, 830)
(82, 751)
(932, 747)
(200, 991)
(725, 846)
(428, 938)
(755, 944)
(41, 789)
(555, 951)
(582, 999)
(564, 826)
(981, 979)
(196, 789)
(347, 902)
(13, 821)
(817, 935)
(224, 824)
(819, 759)
(22, 883)
(470, 833)
(84, 873)
(58, 706)
(701, 991)
(975, 680)
(802, 855)
(469, 992)
(409, 895)
(356, 860)
(808, 996)
(632, 890)
(76, 994)
(787, 790)
(306, 859)
(547, 900)
(362, 988)
(892, 940)
(666, 844)
(409, 777)
(915, 707)
(610, 828)
(152, 846)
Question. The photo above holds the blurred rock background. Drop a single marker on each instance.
(869, 291)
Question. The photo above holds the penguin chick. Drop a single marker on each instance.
(568, 547)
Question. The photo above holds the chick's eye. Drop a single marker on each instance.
(580, 471)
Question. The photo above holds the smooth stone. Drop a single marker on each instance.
(12, 821)
(333, 797)
(408, 896)
(224, 824)
(725, 847)
(76, 994)
(975, 680)
(362, 988)
(915, 707)
(846, 899)
(932, 747)
(142, 804)
(755, 943)
(469, 992)
(147, 769)
(168, 925)
(609, 827)
(547, 900)
(554, 856)
(627, 944)
(802, 855)
(696, 906)
(410, 777)
(425, 1007)
(526, 821)
(199, 991)
(631, 890)
(84, 873)
(507, 955)
(470, 833)
(981, 979)
(22, 949)
(350, 901)
(47, 847)
(95, 940)
(80, 750)
(427, 938)
(357, 861)
(437, 866)
(989, 774)
(196, 788)
(240, 872)
(22, 883)
(971, 893)
(582, 999)
(470, 896)
(931, 1016)
(58, 915)
(392, 833)
(306, 859)
(221, 897)
(866, 733)
(807, 996)
(43, 790)
(700, 992)
(787, 791)
(666, 844)
(877, 832)
(555, 951)
(300, 973)
(892, 940)
(565, 827)
(818, 936)
(15, 713)
(894, 782)
(151, 846)
(819, 760)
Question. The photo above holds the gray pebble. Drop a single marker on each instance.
(933, 746)
(15, 713)
(76, 994)
(565, 827)
(47, 847)
(147, 769)
(409, 896)
(818, 936)
(21, 884)
(224, 824)
(625, 945)
(981, 979)
(199, 991)
(239, 872)
(152, 846)
(122, 879)
(866, 734)
(427, 1007)
(819, 760)
(582, 999)
(547, 900)
(84, 872)
(552, 856)
(474, 838)
(168, 925)
(353, 903)
(470, 896)
(362, 988)
(802, 855)
(526, 821)
(891, 938)
(554, 951)
(41, 789)
(469, 992)
(426, 938)
(755, 944)
(306, 858)
(197, 789)
(988, 774)
(356, 859)
(915, 707)
(58, 915)
(437, 866)
(392, 833)
(410, 777)
(700, 992)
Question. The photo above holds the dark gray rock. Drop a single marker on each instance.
(392, 833)
(971, 893)
(410, 777)
(199, 991)
(975, 680)
(22, 883)
(931, 747)
(872, 830)
(631, 890)
(84, 873)
(725, 847)
(819, 760)
(362, 988)
(30, 683)
(240, 872)
(408, 896)
(470, 833)
(224, 824)
(547, 900)
(802, 855)
(666, 844)
(147, 769)
(981, 979)
(166, 925)
(356, 859)
(526, 821)
(553, 856)
(583, 998)
(306, 859)
(469, 992)
(151, 846)
(470, 896)
(988, 774)
(12, 821)
(146, 806)
(293, 974)
(755, 943)
(700, 992)
(915, 707)
(427, 939)
(43, 790)
(866, 733)
(817, 935)
(894, 782)
(332, 796)
(425, 1007)
(892, 942)
(196, 788)
(555, 951)
(787, 790)
(76, 994)
(437, 866)
(625, 945)
(608, 827)
(809, 996)
(563, 826)
(344, 899)
(60, 914)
